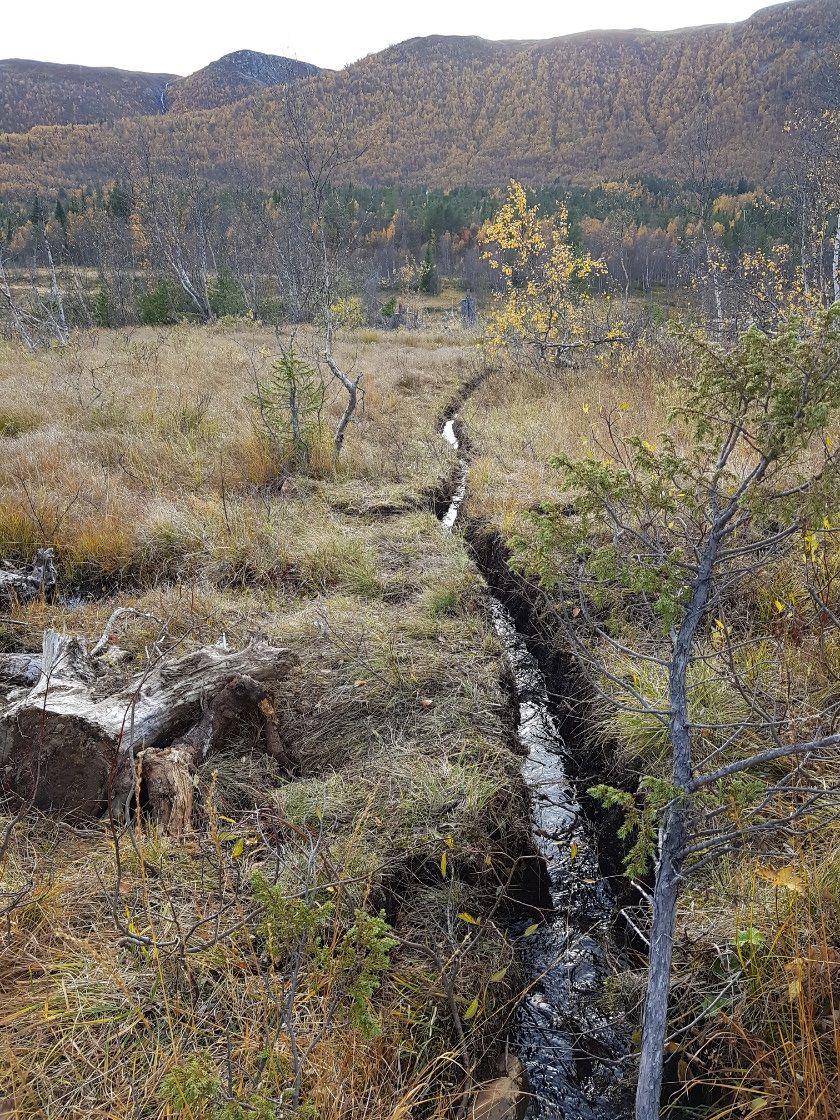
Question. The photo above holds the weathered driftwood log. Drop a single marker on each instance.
(24, 584)
(63, 747)
(165, 775)
(19, 670)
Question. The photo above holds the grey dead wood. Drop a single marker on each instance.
(65, 747)
(23, 584)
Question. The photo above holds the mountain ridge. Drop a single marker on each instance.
(35, 93)
(232, 77)
(445, 111)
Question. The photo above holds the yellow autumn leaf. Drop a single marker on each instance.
(443, 864)
(237, 849)
(471, 1010)
(794, 988)
(573, 849)
(786, 878)
(500, 975)
(810, 546)
(469, 919)
(531, 930)
(789, 879)
(779, 605)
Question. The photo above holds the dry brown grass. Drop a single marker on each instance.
(760, 956)
(519, 419)
(139, 460)
(131, 451)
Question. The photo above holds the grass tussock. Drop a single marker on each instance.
(518, 419)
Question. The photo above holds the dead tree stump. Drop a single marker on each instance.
(63, 747)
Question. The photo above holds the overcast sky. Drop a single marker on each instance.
(179, 36)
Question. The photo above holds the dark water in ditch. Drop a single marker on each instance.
(571, 1048)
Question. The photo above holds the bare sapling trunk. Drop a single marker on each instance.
(58, 319)
(323, 248)
(350, 385)
(714, 277)
(21, 322)
(671, 847)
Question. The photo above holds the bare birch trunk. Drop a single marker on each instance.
(671, 848)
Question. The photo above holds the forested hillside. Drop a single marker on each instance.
(49, 93)
(444, 111)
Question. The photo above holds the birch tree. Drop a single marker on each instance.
(320, 233)
(544, 313)
(36, 319)
(176, 211)
(813, 175)
(698, 167)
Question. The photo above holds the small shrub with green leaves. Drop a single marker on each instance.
(348, 312)
(226, 295)
(158, 306)
(191, 1087)
(102, 309)
(352, 964)
(364, 954)
(194, 1088)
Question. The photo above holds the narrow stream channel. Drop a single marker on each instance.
(571, 1049)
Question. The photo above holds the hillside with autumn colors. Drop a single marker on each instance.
(420, 576)
(48, 93)
(33, 93)
(444, 111)
(233, 77)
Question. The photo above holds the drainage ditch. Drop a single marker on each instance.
(574, 1052)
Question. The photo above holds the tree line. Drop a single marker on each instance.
(158, 244)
